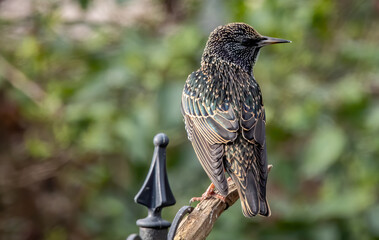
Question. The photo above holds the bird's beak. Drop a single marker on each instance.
(270, 40)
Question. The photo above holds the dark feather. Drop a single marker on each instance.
(210, 157)
(209, 127)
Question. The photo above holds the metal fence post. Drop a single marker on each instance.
(155, 194)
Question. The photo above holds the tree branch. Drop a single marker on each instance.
(199, 223)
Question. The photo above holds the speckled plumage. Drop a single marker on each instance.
(224, 114)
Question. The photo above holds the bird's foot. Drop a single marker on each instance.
(208, 194)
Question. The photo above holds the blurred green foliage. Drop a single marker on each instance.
(81, 99)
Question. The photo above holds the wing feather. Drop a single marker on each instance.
(253, 126)
(210, 157)
(209, 127)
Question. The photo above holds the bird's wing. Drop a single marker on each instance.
(253, 123)
(253, 119)
(208, 126)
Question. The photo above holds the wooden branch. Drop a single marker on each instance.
(199, 223)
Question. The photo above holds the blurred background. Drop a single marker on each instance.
(85, 85)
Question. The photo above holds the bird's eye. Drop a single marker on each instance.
(248, 42)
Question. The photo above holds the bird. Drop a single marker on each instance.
(224, 115)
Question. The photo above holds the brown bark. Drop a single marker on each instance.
(199, 223)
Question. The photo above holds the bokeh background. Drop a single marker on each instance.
(85, 85)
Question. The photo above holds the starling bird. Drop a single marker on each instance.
(224, 115)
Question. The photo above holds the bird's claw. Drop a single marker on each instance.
(196, 199)
(208, 194)
(204, 196)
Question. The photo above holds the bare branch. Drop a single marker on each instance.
(198, 224)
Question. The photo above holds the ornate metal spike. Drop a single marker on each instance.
(156, 192)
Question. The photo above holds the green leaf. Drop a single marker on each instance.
(323, 150)
(38, 148)
(84, 3)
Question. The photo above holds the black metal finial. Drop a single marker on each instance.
(155, 192)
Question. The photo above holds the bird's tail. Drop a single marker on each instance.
(253, 200)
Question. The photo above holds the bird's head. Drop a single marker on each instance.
(238, 43)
